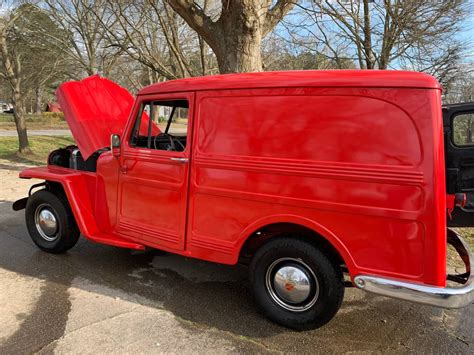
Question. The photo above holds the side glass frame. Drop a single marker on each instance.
(138, 115)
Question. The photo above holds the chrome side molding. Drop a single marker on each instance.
(445, 297)
(180, 160)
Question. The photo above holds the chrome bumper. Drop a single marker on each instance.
(445, 297)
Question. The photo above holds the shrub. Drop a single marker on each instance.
(50, 118)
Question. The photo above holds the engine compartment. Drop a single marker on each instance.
(70, 157)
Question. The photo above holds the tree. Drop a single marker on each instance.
(384, 34)
(27, 60)
(236, 36)
(463, 126)
(44, 63)
(12, 73)
(151, 33)
(290, 53)
(86, 23)
(461, 87)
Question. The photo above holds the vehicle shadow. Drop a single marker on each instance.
(208, 294)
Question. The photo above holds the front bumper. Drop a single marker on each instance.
(445, 297)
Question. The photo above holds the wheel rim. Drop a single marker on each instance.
(46, 222)
(292, 284)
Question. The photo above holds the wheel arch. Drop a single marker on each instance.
(73, 186)
(81, 209)
(263, 230)
(79, 188)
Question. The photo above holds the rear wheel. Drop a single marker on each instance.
(50, 222)
(295, 284)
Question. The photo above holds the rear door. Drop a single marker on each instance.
(459, 145)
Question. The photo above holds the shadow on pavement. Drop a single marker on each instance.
(213, 295)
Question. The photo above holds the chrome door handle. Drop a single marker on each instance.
(180, 160)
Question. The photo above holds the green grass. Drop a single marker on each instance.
(40, 145)
(6, 117)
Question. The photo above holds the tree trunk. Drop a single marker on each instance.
(369, 54)
(239, 54)
(238, 48)
(20, 122)
(470, 126)
(38, 93)
(202, 55)
(236, 37)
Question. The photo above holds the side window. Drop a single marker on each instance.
(161, 125)
(463, 129)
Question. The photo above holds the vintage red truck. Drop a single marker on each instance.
(310, 177)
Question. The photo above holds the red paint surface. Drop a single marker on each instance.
(357, 157)
(299, 78)
(94, 108)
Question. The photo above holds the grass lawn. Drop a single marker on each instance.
(40, 145)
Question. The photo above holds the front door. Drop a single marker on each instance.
(154, 170)
(459, 145)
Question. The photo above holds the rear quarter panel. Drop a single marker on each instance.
(362, 167)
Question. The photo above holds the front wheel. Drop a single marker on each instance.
(50, 222)
(295, 284)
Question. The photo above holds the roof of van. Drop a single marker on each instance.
(298, 78)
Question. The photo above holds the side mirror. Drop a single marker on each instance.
(115, 145)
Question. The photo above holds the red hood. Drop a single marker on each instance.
(94, 108)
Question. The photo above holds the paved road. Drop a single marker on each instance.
(98, 299)
(37, 132)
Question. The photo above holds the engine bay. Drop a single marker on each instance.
(70, 157)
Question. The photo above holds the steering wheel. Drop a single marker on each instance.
(176, 140)
(172, 140)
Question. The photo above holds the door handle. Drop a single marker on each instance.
(180, 160)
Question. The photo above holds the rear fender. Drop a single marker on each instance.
(320, 230)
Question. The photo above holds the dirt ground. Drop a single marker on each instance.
(99, 299)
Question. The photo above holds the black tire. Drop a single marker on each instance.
(326, 284)
(66, 233)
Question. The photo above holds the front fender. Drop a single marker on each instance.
(79, 187)
(77, 193)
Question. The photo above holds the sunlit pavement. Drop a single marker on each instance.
(97, 299)
(37, 132)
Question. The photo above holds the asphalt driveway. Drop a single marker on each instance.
(99, 299)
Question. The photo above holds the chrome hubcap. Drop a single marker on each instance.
(292, 284)
(46, 222)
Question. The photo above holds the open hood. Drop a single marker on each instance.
(94, 109)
